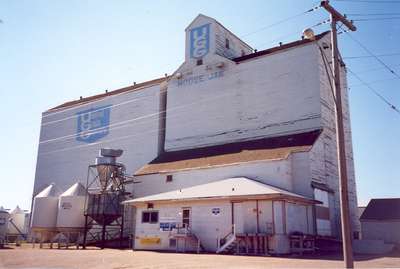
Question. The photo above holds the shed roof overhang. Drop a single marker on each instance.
(233, 189)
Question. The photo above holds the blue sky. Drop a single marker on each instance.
(55, 51)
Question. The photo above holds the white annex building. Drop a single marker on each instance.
(236, 147)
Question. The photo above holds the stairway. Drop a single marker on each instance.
(187, 235)
(229, 245)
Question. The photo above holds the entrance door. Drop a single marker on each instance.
(186, 217)
(238, 217)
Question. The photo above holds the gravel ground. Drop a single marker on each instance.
(28, 258)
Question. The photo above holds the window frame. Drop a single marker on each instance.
(151, 215)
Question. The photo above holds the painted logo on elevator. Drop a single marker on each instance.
(200, 41)
(92, 124)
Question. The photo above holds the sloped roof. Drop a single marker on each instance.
(49, 191)
(279, 48)
(75, 190)
(221, 25)
(136, 87)
(3, 210)
(227, 188)
(382, 209)
(275, 148)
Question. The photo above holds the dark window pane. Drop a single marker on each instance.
(186, 213)
(145, 217)
(154, 217)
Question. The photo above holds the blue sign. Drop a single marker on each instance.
(200, 41)
(93, 124)
(167, 226)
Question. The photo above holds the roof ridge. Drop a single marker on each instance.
(135, 87)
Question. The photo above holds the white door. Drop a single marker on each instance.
(238, 217)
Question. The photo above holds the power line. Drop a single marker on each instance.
(294, 33)
(375, 92)
(378, 19)
(373, 55)
(373, 69)
(374, 82)
(281, 21)
(371, 1)
(373, 14)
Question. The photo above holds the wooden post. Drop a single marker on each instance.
(335, 16)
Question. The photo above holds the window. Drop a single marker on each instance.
(149, 216)
(199, 62)
(186, 217)
(169, 178)
(227, 43)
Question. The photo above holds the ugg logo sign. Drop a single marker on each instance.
(200, 41)
(92, 124)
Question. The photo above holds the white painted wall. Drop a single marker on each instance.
(209, 227)
(133, 127)
(270, 95)
(205, 225)
(275, 173)
(324, 153)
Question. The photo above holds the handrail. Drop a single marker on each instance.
(233, 231)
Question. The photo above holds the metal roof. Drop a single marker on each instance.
(49, 191)
(273, 148)
(75, 190)
(136, 87)
(238, 187)
(280, 47)
(382, 209)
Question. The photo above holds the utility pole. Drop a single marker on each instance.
(335, 17)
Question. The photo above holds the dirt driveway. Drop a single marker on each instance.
(26, 257)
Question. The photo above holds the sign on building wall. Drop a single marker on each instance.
(92, 124)
(150, 240)
(216, 211)
(200, 41)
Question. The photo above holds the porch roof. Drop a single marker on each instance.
(238, 187)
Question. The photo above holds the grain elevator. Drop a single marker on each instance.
(257, 125)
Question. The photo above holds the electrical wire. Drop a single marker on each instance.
(372, 14)
(373, 55)
(328, 73)
(377, 19)
(392, 106)
(371, 1)
(281, 21)
(374, 82)
(373, 69)
(294, 33)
